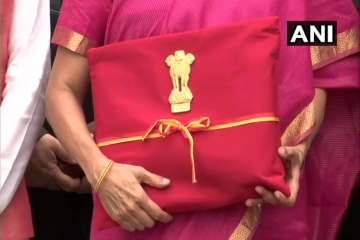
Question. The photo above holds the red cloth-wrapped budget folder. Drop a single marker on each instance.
(198, 108)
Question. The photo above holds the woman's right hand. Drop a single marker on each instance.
(125, 200)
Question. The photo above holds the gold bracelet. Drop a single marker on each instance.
(104, 172)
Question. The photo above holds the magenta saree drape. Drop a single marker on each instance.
(333, 160)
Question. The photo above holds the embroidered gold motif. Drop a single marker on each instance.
(301, 127)
(245, 230)
(72, 40)
(180, 69)
(348, 42)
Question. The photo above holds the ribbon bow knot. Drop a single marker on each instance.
(165, 127)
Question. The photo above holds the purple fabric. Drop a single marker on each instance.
(334, 158)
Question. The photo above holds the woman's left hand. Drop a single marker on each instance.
(294, 158)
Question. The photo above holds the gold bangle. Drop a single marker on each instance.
(104, 172)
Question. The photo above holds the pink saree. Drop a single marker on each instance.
(332, 166)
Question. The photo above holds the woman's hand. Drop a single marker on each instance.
(125, 200)
(294, 158)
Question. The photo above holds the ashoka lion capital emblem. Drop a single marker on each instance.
(180, 69)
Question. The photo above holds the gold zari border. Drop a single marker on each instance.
(248, 223)
(348, 42)
(71, 40)
(300, 128)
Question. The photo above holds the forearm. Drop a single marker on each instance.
(68, 85)
(67, 119)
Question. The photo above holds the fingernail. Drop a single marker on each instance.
(165, 181)
(281, 150)
(278, 194)
(248, 203)
(258, 189)
(168, 219)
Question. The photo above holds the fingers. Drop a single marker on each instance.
(294, 157)
(131, 223)
(266, 195)
(134, 222)
(296, 154)
(287, 152)
(144, 218)
(286, 201)
(131, 216)
(126, 200)
(127, 226)
(294, 175)
(85, 186)
(139, 216)
(283, 200)
(62, 154)
(153, 210)
(127, 222)
(278, 198)
(293, 182)
(253, 202)
(119, 215)
(151, 179)
(274, 198)
(65, 182)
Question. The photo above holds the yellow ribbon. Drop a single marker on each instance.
(164, 127)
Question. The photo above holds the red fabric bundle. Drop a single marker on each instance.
(195, 106)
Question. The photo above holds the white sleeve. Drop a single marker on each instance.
(22, 108)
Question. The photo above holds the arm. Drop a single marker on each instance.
(64, 99)
(51, 168)
(21, 111)
(121, 193)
